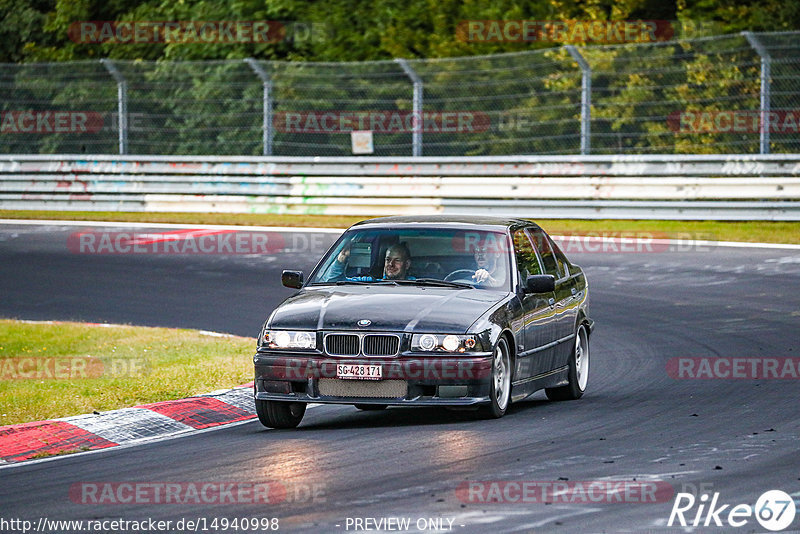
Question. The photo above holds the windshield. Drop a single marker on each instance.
(421, 256)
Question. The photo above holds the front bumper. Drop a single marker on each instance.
(407, 380)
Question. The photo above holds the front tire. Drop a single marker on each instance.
(578, 374)
(278, 414)
(500, 388)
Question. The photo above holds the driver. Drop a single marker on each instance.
(395, 267)
(397, 262)
(487, 271)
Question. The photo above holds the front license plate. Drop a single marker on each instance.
(359, 372)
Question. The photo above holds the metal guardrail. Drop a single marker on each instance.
(650, 187)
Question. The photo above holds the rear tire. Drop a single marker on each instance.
(278, 414)
(578, 374)
(500, 388)
(370, 407)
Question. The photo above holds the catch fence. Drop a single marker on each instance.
(731, 94)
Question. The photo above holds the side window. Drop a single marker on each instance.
(546, 251)
(527, 260)
(561, 260)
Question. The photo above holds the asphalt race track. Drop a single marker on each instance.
(735, 437)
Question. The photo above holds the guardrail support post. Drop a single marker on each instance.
(416, 136)
(766, 65)
(586, 99)
(267, 133)
(122, 104)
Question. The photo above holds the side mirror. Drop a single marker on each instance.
(540, 283)
(293, 279)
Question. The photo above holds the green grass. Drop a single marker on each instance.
(750, 231)
(746, 231)
(245, 219)
(57, 370)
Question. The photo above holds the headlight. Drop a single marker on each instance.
(451, 343)
(427, 342)
(289, 339)
(444, 343)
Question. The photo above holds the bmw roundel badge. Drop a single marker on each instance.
(364, 322)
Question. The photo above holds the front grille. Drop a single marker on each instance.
(381, 345)
(379, 389)
(342, 344)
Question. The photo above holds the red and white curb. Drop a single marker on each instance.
(126, 426)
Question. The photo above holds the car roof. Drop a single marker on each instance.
(447, 220)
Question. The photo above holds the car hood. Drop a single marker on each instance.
(392, 308)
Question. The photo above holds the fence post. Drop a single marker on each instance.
(416, 136)
(766, 64)
(122, 104)
(586, 99)
(266, 125)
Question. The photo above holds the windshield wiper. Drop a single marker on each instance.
(364, 282)
(435, 282)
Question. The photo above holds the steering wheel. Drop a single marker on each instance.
(459, 274)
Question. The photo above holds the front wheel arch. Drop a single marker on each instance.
(578, 373)
(500, 381)
(583, 320)
(512, 355)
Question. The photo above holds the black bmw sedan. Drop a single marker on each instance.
(427, 311)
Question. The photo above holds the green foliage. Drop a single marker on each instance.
(349, 30)
(183, 100)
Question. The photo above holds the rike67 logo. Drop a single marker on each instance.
(774, 510)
